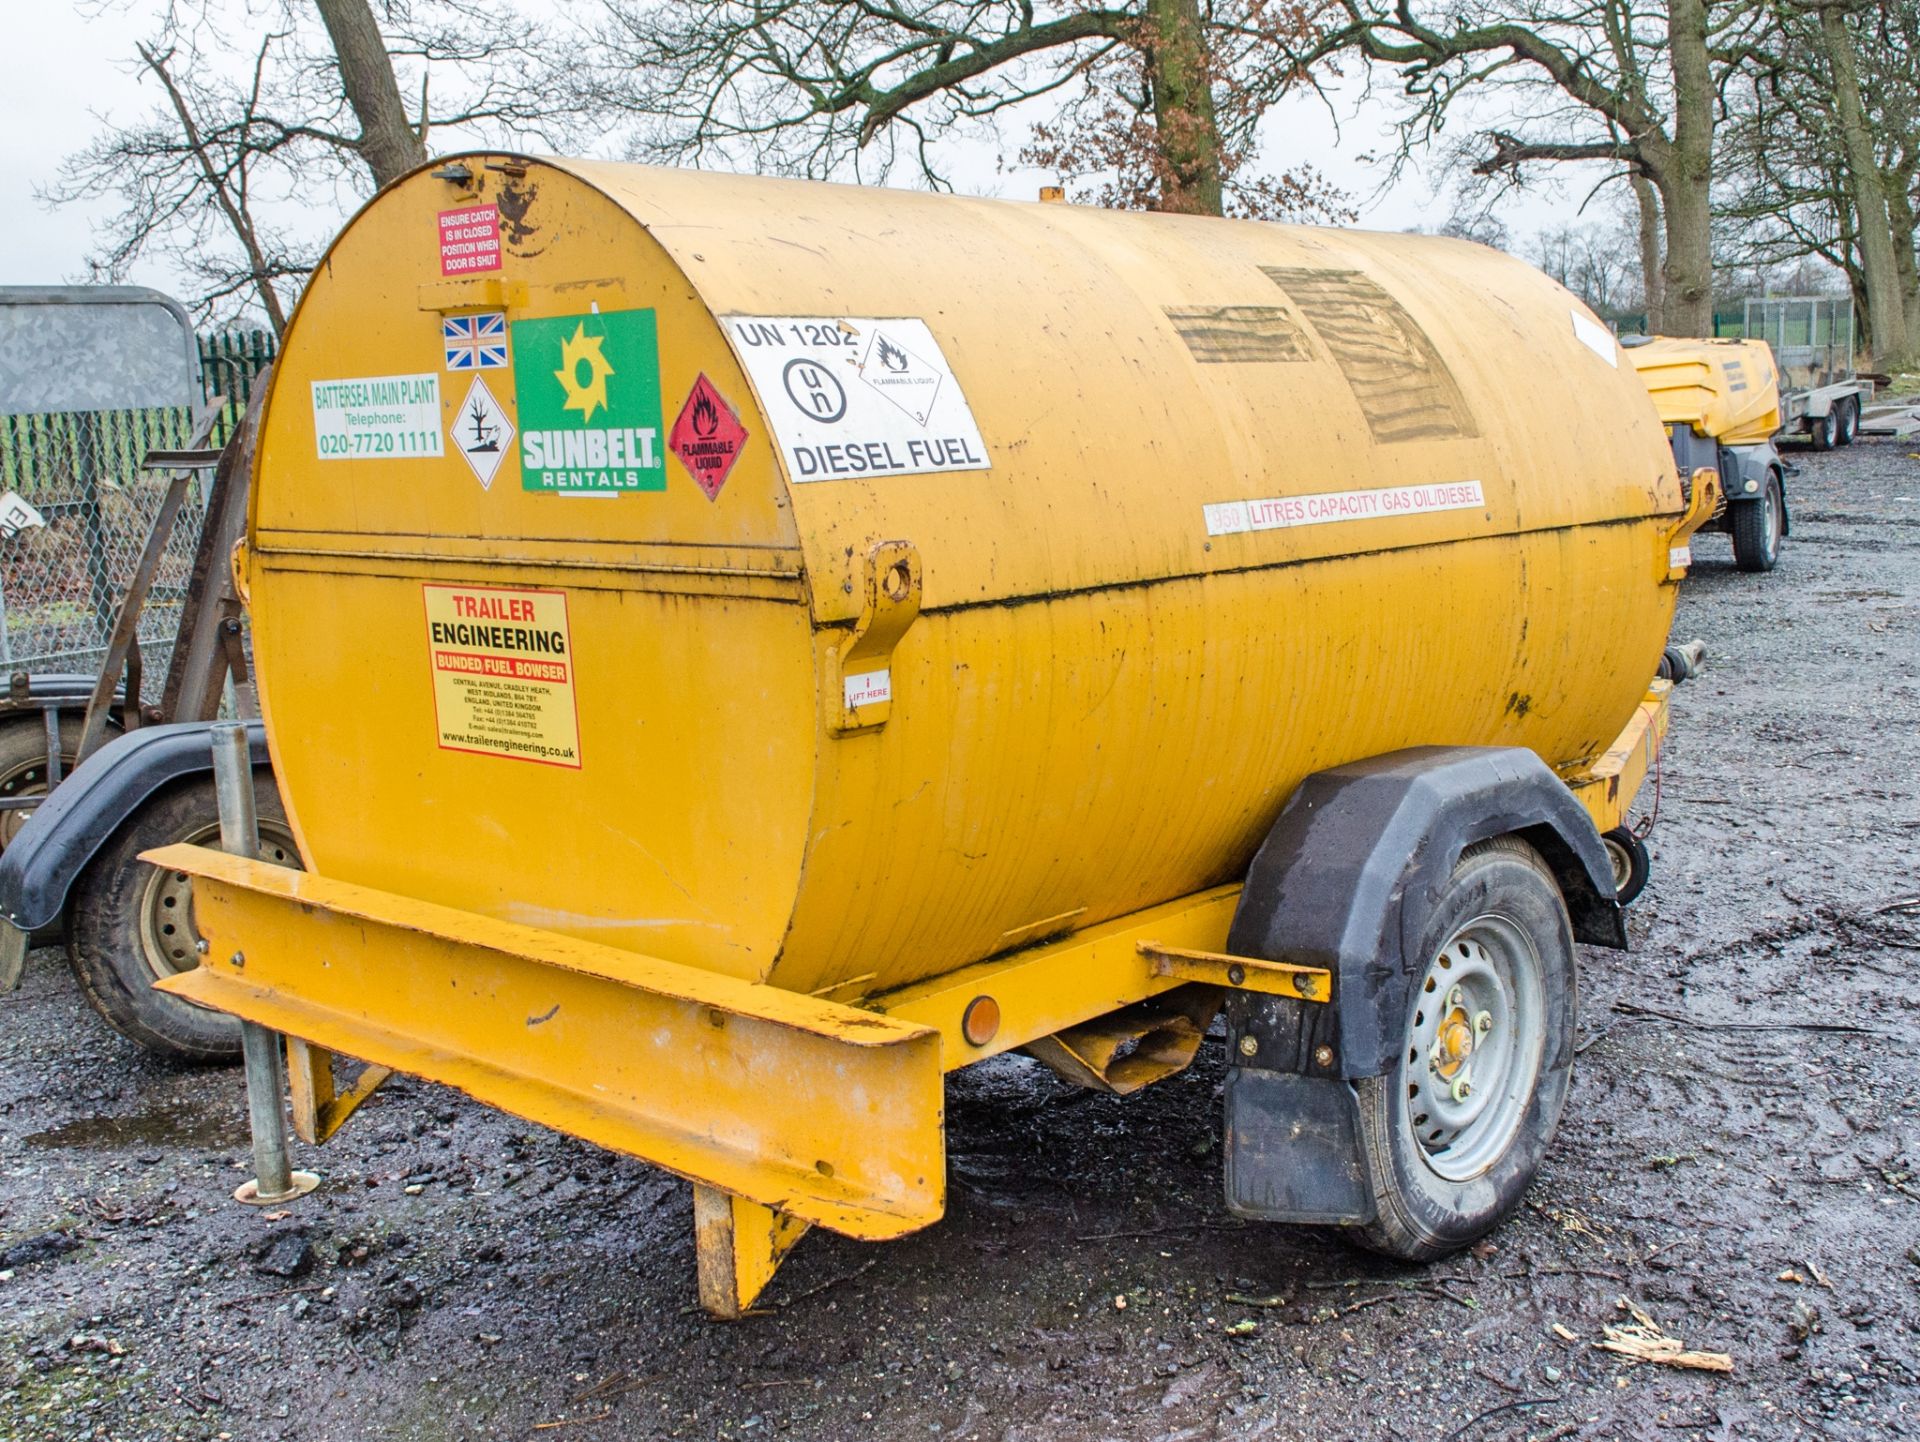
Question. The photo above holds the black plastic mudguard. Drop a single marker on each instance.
(1349, 873)
(1346, 880)
(39, 867)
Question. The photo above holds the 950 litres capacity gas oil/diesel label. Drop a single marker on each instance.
(503, 673)
(373, 418)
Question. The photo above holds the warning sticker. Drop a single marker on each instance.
(482, 432)
(587, 389)
(858, 397)
(707, 437)
(1596, 338)
(867, 688)
(377, 418)
(469, 240)
(503, 673)
(1280, 512)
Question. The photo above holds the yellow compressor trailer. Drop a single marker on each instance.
(1720, 403)
(809, 639)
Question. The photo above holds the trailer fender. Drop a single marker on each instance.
(1346, 880)
(1348, 873)
(38, 870)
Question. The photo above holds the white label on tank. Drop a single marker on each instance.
(857, 396)
(373, 418)
(1596, 338)
(869, 687)
(1279, 513)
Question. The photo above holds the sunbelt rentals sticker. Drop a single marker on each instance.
(587, 389)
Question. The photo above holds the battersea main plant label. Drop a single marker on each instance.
(850, 397)
(503, 673)
(371, 418)
(587, 389)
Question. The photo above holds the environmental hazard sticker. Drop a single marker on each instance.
(587, 392)
(852, 397)
(503, 673)
(481, 432)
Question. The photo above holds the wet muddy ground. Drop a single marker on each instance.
(1740, 1160)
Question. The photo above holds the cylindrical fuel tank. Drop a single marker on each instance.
(594, 502)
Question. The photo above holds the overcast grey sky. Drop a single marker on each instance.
(65, 74)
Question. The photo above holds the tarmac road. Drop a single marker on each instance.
(1747, 1177)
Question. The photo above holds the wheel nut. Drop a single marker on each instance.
(1462, 1089)
(1483, 1022)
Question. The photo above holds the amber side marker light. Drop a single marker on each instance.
(980, 1020)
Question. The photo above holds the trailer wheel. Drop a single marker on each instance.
(132, 923)
(1631, 864)
(23, 763)
(1757, 526)
(1824, 431)
(1455, 1132)
(1848, 426)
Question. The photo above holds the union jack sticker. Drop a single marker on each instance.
(475, 342)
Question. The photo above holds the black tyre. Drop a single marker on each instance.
(23, 763)
(1455, 1132)
(1631, 863)
(1757, 526)
(132, 923)
(1847, 426)
(1824, 431)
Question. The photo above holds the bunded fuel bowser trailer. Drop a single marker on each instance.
(810, 639)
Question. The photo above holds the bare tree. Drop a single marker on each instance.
(1630, 84)
(1885, 305)
(1822, 156)
(388, 143)
(1163, 96)
(251, 160)
(1591, 260)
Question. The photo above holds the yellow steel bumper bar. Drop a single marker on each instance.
(827, 1114)
(1607, 787)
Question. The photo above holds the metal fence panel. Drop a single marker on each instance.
(61, 583)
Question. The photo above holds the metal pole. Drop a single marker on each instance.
(262, 1050)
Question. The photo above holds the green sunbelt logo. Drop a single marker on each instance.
(588, 388)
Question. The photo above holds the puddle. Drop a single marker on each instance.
(175, 1126)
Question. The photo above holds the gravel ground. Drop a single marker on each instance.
(1738, 1161)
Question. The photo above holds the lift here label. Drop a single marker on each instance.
(503, 673)
(857, 396)
(587, 392)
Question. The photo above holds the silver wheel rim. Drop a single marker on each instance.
(1622, 861)
(29, 778)
(169, 941)
(1772, 506)
(1475, 1043)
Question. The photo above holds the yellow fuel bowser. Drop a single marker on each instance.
(808, 639)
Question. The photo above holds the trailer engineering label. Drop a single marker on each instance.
(503, 673)
(854, 397)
